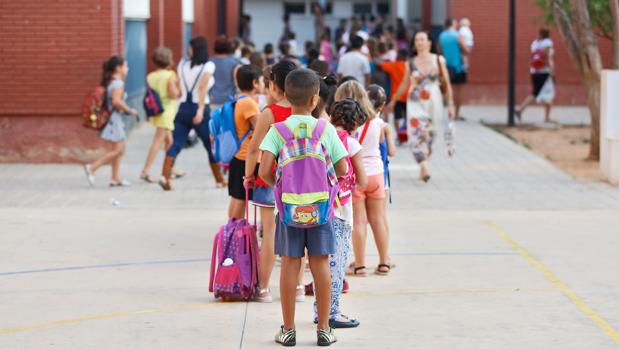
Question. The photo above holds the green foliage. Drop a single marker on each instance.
(599, 10)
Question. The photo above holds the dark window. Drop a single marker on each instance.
(328, 9)
(383, 8)
(294, 8)
(362, 9)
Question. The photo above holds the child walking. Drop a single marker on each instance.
(368, 202)
(346, 116)
(165, 82)
(262, 195)
(115, 71)
(302, 87)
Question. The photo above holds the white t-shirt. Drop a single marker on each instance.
(372, 161)
(467, 36)
(542, 44)
(354, 64)
(188, 75)
(346, 212)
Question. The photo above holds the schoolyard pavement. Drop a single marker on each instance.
(499, 250)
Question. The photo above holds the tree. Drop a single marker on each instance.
(580, 23)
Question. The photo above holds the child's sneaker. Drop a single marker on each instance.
(300, 297)
(286, 338)
(326, 337)
(263, 295)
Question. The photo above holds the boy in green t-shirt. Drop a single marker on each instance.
(302, 87)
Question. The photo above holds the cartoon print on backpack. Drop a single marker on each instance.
(305, 215)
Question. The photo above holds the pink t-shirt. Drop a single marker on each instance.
(372, 162)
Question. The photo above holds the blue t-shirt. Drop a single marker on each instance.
(450, 49)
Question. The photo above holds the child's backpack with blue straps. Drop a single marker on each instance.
(223, 130)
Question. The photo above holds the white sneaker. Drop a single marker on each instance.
(300, 297)
(89, 176)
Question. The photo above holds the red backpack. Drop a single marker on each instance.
(538, 59)
(347, 181)
(94, 109)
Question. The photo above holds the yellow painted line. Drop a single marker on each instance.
(108, 316)
(201, 306)
(567, 292)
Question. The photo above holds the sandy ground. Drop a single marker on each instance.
(567, 147)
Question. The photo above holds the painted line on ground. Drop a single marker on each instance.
(123, 314)
(206, 260)
(109, 316)
(550, 276)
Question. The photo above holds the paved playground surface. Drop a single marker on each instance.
(499, 250)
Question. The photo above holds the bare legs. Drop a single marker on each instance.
(526, 102)
(236, 209)
(372, 211)
(288, 284)
(112, 157)
(267, 250)
(457, 90)
(162, 138)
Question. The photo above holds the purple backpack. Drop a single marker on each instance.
(234, 262)
(306, 186)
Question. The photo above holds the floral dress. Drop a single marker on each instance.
(425, 111)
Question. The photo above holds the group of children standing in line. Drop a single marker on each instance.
(299, 102)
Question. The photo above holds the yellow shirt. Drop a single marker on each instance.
(158, 81)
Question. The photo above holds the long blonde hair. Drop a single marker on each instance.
(353, 89)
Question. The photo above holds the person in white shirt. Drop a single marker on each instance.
(542, 80)
(467, 36)
(354, 63)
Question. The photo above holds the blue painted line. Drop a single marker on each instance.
(206, 260)
(106, 266)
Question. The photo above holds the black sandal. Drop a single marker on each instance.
(377, 271)
(356, 271)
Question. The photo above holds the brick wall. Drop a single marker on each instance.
(488, 73)
(54, 51)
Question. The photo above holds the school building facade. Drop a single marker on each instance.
(53, 51)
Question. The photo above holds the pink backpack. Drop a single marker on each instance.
(347, 181)
(234, 261)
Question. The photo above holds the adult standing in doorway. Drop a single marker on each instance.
(452, 47)
(541, 68)
(319, 21)
(196, 78)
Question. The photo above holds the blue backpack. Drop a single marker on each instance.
(222, 127)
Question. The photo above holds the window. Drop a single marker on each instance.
(327, 9)
(383, 8)
(294, 8)
(362, 9)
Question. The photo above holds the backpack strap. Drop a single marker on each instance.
(364, 132)
(284, 131)
(319, 129)
(197, 78)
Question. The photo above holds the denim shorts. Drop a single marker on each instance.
(263, 197)
(292, 242)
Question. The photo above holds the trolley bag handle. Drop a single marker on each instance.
(247, 208)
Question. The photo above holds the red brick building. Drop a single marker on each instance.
(52, 53)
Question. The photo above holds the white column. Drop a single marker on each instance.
(136, 9)
(609, 126)
(187, 11)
